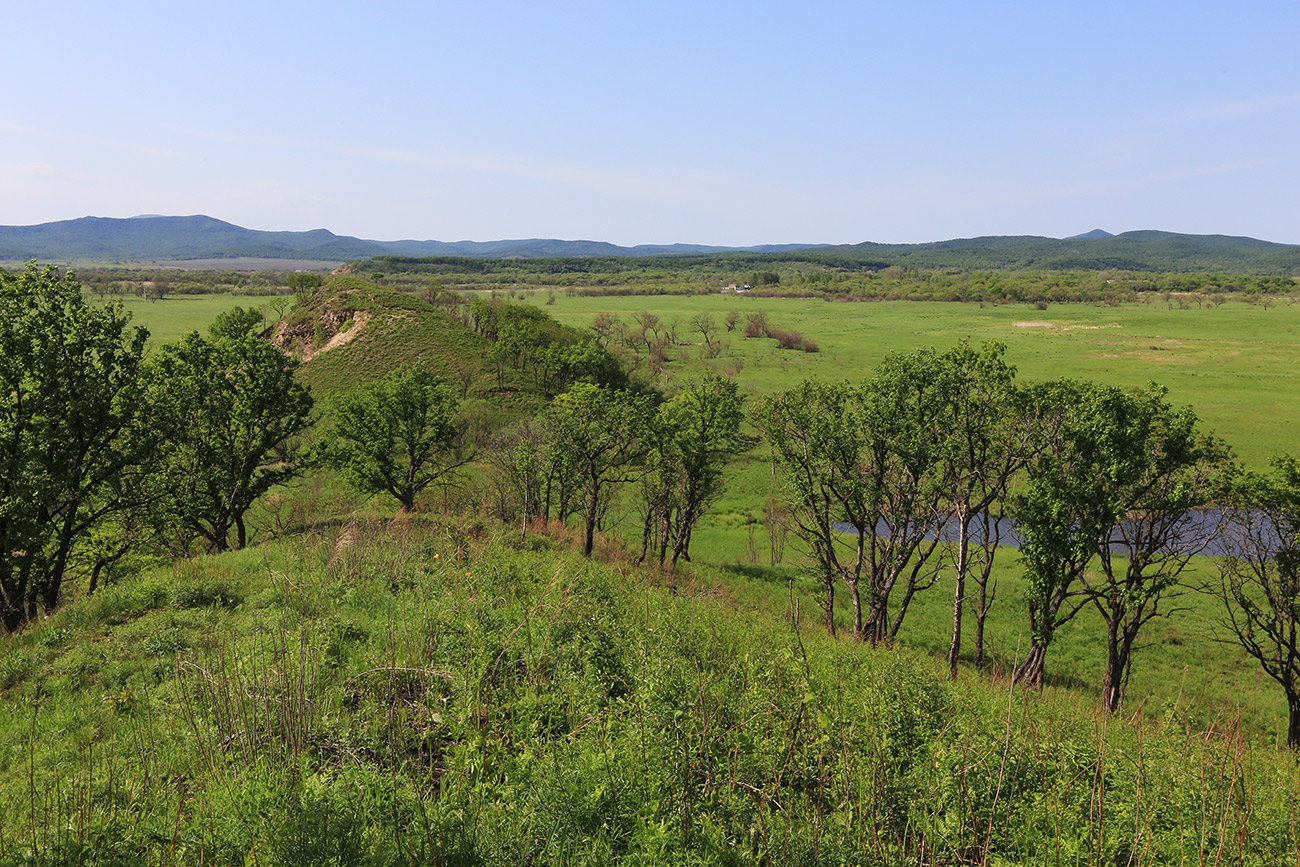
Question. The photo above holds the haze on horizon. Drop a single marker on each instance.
(722, 123)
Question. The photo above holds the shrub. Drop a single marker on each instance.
(787, 339)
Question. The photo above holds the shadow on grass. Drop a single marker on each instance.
(768, 574)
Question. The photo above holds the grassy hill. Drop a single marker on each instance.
(351, 332)
(442, 691)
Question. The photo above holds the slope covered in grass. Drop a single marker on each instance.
(351, 332)
(443, 692)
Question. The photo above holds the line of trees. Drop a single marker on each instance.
(923, 469)
(105, 449)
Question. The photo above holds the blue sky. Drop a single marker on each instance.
(715, 123)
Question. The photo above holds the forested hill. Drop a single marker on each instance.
(169, 239)
(1130, 251)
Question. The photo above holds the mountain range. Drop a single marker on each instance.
(155, 238)
(161, 239)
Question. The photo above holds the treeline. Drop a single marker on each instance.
(108, 454)
(931, 464)
(809, 276)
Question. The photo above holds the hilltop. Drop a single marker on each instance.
(351, 332)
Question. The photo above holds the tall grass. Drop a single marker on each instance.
(441, 692)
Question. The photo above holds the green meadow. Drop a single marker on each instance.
(173, 317)
(1235, 364)
(1238, 365)
(447, 689)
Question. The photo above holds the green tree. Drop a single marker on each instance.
(985, 445)
(815, 440)
(596, 436)
(1172, 471)
(398, 436)
(863, 474)
(1259, 577)
(691, 439)
(230, 407)
(1120, 485)
(70, 403)
(1060, 511)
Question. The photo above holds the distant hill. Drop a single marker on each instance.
(152, 238)
(1130, 251)
(175, 239)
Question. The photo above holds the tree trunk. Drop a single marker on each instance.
(592, 514)
(1030, 671)
(959, 595)
(828, 605)
(877, 625)
(241, 536)
(1293, 726)
(857, 609)
(981, 612)
(1112, 686)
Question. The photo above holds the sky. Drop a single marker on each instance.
(699, 122)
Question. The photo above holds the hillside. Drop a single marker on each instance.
(1130, 251)
(105, 239)
(351, 332)
(172, 239)
(443, 692)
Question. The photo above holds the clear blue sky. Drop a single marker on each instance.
(633, 122)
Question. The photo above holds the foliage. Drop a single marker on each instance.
(597, 443)
(864, 474)
(1119, 485)
(1260, 577)
(690, 439)
(230, 408)
(70, 423)
(397, 436)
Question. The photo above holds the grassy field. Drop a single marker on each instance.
(1238, 365)
(175, 316)
(1235, 364)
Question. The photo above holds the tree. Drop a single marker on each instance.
(229, 406)
(397, 436)
(691, 438)
(70, 423)
(596, 436)
(862, 468)
(814, 441)
(1121, 485)
(985, 445)
(1173, 471)
(1060, 511)
(1259, 577)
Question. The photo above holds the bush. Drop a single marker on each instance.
(788, 339)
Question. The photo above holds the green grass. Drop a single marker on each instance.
(442, 692)
(1240, 356)
(1238, 365)
(173, 317)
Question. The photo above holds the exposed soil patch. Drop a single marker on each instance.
(331, 329)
